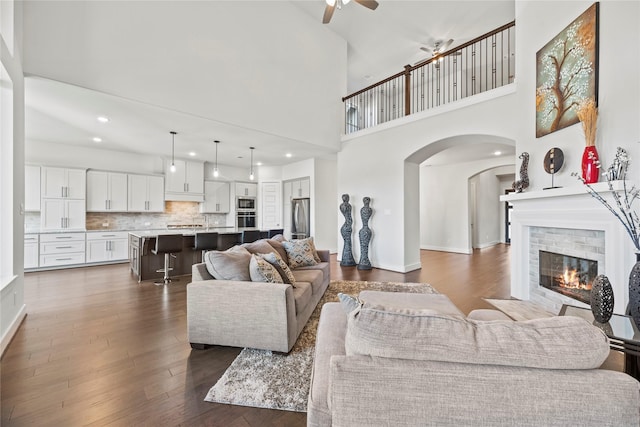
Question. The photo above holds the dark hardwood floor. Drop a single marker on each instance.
(97, 348)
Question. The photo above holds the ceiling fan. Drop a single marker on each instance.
(439, 47)
(333, 4)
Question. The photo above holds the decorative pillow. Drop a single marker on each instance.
(259, 247)
(232, 264)
(276, 243)
(301, 252)
(561, 342)
(282, 267)
(261, 270)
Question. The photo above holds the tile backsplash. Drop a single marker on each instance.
(174, 213)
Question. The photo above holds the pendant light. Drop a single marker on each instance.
(215, 168)
(251, 176)
(173, 150)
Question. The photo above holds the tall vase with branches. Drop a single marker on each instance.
(588, 116)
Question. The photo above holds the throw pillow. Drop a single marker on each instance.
(562, 342)
(259, 247)
(276, 243)
(300, 252)
(261, 270)
(282, 267)
(232, 264)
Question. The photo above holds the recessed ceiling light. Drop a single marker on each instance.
(103, 119)
(497, 153)
(289, 155)
(97, 139)
(192, 154)
(258, 163)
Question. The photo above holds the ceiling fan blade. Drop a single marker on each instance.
(371, 4)
(445, 46)
(328, 13)
(426, 49)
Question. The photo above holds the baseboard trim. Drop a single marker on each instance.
(446, 249)
(487, 245)
(11, 331)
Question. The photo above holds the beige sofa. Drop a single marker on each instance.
(267, 316)
(373, 367)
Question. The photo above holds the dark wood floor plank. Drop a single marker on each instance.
(98, 348)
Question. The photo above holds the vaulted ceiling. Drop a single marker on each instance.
(71, 75)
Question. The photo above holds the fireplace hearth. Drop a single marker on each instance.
(567, 275)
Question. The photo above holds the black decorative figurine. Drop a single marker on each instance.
(523, 182)
(365, 235)
(347, 253)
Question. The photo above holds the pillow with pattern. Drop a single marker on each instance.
(301, 253)
(282, 267)
(261, 270)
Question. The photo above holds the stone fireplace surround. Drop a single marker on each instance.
(583, 224)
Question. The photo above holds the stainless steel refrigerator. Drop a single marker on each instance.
(300, 218)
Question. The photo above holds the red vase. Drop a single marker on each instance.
(590, 170)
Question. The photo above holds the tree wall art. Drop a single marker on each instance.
(567, 73)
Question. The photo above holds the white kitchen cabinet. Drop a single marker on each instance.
(106, 191)
(58, 249)
(301, 188)
(107, 246)
(63, 214)
(246, 189)
(186, 183)
(62, 183)
(145, 193)
(31, 188)
(31, 247)
(216, 197)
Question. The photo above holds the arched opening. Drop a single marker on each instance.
(457, 181)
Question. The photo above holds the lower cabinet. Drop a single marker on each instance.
(58, 249)
(31, 249)
(107, 246)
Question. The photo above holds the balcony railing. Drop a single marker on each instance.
(482, 64)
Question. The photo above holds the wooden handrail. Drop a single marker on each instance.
(409, 68)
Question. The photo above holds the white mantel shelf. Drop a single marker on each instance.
(600, 187)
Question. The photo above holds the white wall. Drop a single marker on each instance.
(246, 63)
(619, 85)
(384, 165)
(327, 203)
(13, 308)
(489, 220)
(444, 204)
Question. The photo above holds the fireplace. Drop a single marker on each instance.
(568, 275)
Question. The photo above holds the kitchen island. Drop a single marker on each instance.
(145, 265)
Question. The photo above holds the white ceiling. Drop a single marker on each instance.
(379, 44)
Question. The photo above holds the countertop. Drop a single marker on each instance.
(188, 231)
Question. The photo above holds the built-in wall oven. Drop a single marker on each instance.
(246, 219)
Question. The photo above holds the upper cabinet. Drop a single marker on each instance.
(216, 197)
(106, 191)
(145, 193)
(62, 183)
(246, 189)
(31, 188)
(186, 183)
(296, 189)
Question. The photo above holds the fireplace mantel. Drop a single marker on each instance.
(600, 187)
(569, 208)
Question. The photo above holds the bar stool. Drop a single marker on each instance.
(205, 242)
(249, 236)
(167, 244)
(275, 232)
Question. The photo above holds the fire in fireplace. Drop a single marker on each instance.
(567, 275)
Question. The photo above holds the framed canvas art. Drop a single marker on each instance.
(567, 73)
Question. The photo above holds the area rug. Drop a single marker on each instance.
(264, 379)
